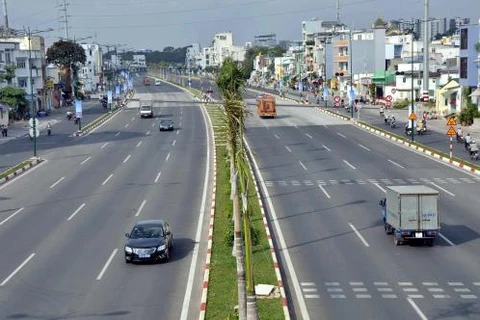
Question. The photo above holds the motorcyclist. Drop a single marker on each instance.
(49, 129)
(468, 140)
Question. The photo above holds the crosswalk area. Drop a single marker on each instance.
(384, 181)
(391, 290)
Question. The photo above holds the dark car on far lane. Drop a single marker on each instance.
(149, 240)
(166, 125)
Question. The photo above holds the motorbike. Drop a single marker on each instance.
(69, 115)
(459, 138)
(393, 123)
(408, 131)
(382, 111)
(49, 131)
(473, 150)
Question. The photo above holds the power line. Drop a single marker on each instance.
(223, 20)
(63, 9)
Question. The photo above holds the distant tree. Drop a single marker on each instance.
(379, 22)
(251, 53)
(67, 54)
(168, 49)
(15, 98)
(9, 74)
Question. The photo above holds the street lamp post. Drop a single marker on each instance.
(32, 107)
(351, 74)
(411, 67)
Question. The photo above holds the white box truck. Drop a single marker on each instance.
(410, 213)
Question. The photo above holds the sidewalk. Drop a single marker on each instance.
(20, 129)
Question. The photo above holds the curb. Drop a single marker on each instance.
(15, 174)
(373, 129)
(206, 275)
(273, 251)
(102, 119)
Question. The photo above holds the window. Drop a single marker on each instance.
(404, 79)
(1, 56)
(21, 64)
(464, 39)
(22, 83)
(8, 58)
(463, 67)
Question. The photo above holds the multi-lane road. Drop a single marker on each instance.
(62, 224)
(323, 179)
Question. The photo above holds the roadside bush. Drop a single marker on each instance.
(401, 104)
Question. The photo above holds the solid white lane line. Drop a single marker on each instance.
(108, 178)
(76, 211)
(341, 135)
(198, 234)
(117, 134)
(85, 160)
(398, 165)
(379, 187)
(173, 143)
(326, 148)
(296, 127)
(126, 126)
(325, 126)
(126, 159)
(446, 239)
(359, 235)
(283, 248)
(11, 216)
(168, 157)
(308, 135)
(139, 143)
(158, 177)
(288, 149)
(348, 164)
(363, 147)
(148, 132)
(303, 166)
(324, 191)
(104, 145)
(140, 208)
(100, 275)
(417, 309)
(57, 182)
(178, 132)
(17, 270)
(443, 189)
(277, 136)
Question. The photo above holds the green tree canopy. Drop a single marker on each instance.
(251, 53)
(66, 53)
(13, 96)
(8, 74)
(230, 80)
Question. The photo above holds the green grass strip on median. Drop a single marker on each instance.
(14, 169)
(222, 290)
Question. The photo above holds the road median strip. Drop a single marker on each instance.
(20, 168)
(219, 294)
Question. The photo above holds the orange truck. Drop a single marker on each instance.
(146, 81)
(266, 106)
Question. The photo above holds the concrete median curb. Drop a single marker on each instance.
(22, 167)
(105, 117)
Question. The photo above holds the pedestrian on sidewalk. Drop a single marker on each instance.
(3, 128)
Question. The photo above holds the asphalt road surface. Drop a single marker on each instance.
(62, 224)
(324, 179)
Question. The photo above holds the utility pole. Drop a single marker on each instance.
(426, 55)
(65, 17)
(5, 13)
(338, 10)
(352, 93)
(413, 99)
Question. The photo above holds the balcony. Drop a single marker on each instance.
(26, 73)
(341, 58)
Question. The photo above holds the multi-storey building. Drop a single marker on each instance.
(90, 74)
(222, 47)
(265, 40)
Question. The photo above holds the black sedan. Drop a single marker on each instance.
(166, 125)
(150, 240)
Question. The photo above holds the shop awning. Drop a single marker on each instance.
(475, 93)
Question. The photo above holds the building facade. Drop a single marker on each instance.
(469, 38)
(90, 74)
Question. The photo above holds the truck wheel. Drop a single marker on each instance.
(386, 229)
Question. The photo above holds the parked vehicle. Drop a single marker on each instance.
(266, 106)
(410, 213)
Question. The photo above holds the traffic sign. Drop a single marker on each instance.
(30, 122)
(388, 98)
(37, 132)
(451, 131)
(451, 121)
(336, 105)
(394, 90)
(337, 98)
(412, 116)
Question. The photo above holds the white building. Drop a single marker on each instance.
(90, 74)
(17, 51)
(139, 62)
(193, 57)
(222, 47)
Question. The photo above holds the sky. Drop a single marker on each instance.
(155, 24)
